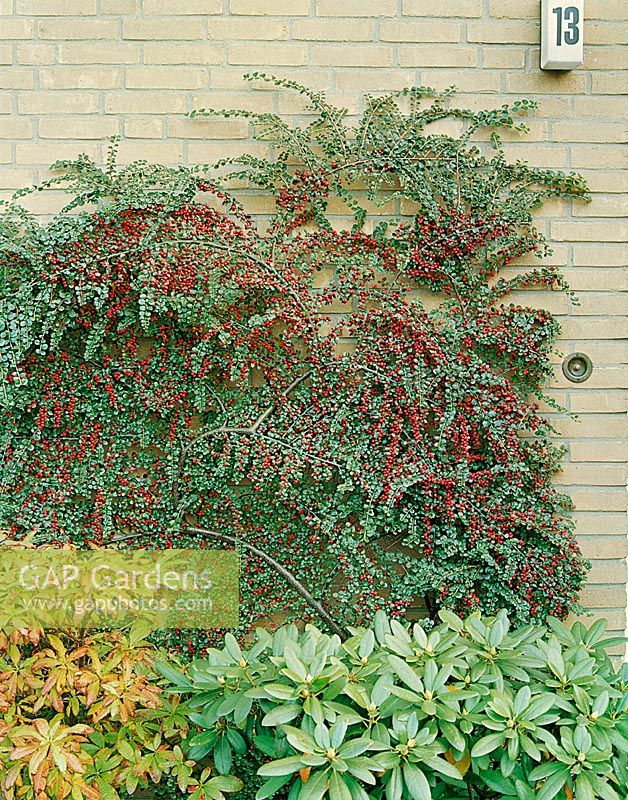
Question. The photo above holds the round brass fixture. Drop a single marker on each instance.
(577, 367)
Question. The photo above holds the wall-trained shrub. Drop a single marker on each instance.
(471, 710)
(342, 388)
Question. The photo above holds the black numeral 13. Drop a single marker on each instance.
(571, 32)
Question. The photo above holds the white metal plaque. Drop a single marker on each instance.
(562, 34)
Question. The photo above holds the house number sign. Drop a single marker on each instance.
(562, 34)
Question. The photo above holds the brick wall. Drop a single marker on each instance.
(77, 71)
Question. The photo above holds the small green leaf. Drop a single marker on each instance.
(272, 786)
(338, 789)
(223, 757)
(107, 792)
(553, 784)
(300, 740)
(282, 766)
(416, 782)
(315, 787)
(281, 714)
(488, 744)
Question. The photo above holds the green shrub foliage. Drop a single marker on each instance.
(358, 400)
(468, 711)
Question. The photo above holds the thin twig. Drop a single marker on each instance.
(288, 576)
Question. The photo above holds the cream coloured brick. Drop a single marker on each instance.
(68, 28)
(503, 32)
(450, 8)
(603, 255)
(260, 102)
(597, 548)
(166, 29)
(158, 152)
(6, 104)
(603, 353)
(44, 203)
(610, 181)
(606, 523)
(605, 58)
(231, 79)
(590, 402)
(387, 80)
(336, 30)
(555, 302)
(56, 8)
(547, 83)
(6, 155)
(599, 451)
(538, 131)
(34, 53)
(76, 127)
(136, 102)
(255, 204)
(465, 81)
(6, 54)
(603, 377)
(541, 155)
(118, 6)
(178, 8)
(270, 8)
(165, 78)
(594, 303)
(17, 79)
(351, 56)
(585, 230)
(143, 128)
(17, 178)
(16, 29)
(603, 206)
(265, 53)
(239, 29)
(432, 55)
(594, 499)
(592, 524)
(57, 103)
(208, 152)
(503, 58)
(209, 128)
(419, 31)
(16, 128)
(355, 8)
(6, 8)
(599, 475)
(296, 104)
(606, 9)
(554, 107)
(605, 33)
(84, 78)
(514, 9)
(608, 83)
(45, 154)
(600, 107)
(610, 571)
(594, 596)
(167, 53)
(597, 279)
(110, 53)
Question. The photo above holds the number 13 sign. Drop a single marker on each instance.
(562, 27)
